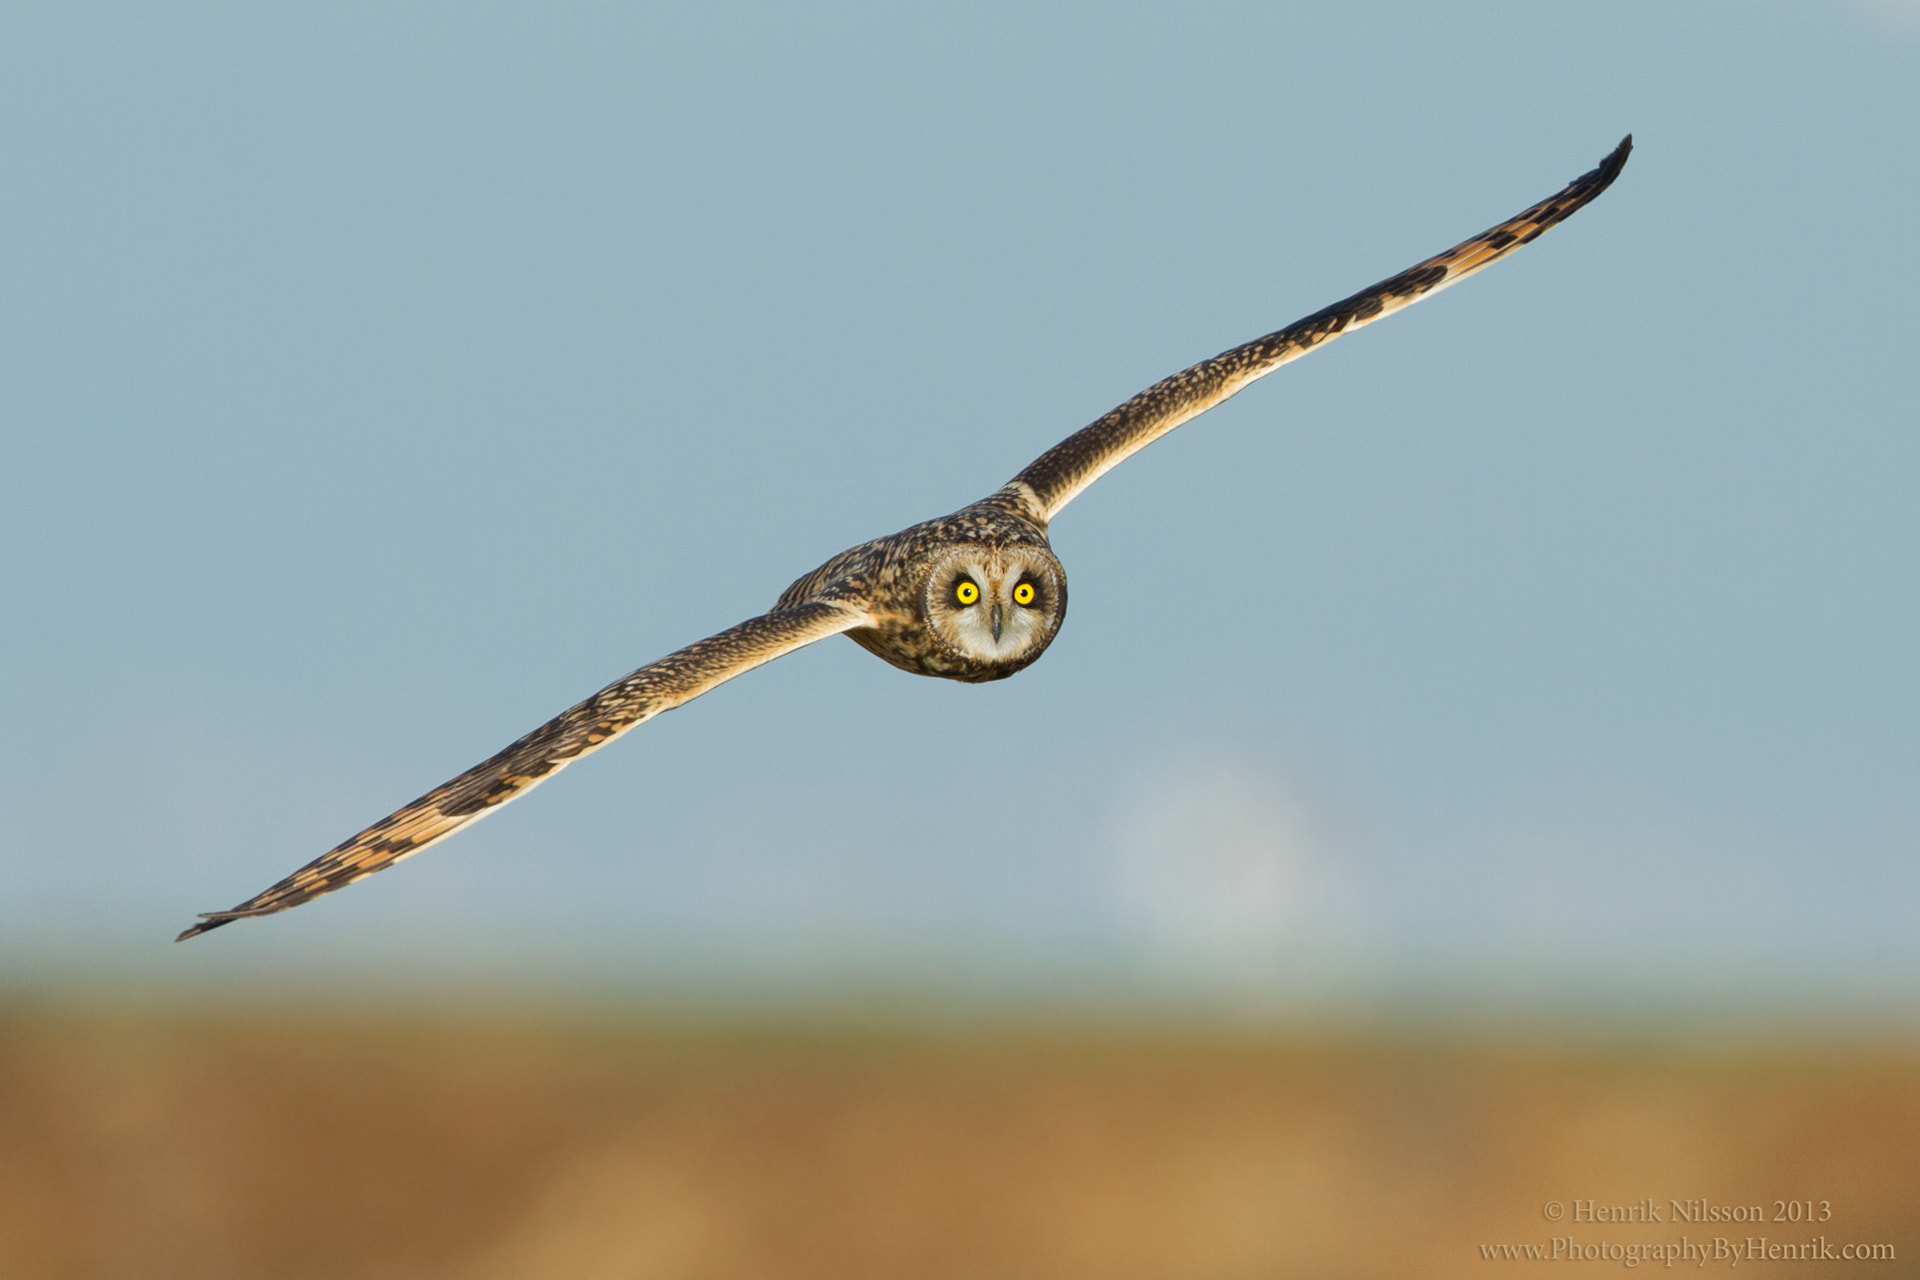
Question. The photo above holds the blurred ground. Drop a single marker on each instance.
(390, 1145)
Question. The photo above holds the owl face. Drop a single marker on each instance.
(996, 605)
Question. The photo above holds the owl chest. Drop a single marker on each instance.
(910, 644)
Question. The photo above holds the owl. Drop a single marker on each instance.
(977, 595)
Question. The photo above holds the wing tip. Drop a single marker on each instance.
(208, 920)
(1616, 160)
(1582, 191)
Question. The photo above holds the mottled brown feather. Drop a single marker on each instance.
(633, 700)
(1057, 476)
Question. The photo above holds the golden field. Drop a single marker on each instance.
(383, 1145)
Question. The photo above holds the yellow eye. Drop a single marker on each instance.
(966, 593)
(1023, 594)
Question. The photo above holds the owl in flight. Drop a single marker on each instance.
(977, 595)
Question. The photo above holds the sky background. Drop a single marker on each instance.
(377, 381)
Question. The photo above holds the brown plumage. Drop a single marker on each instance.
(976, 595)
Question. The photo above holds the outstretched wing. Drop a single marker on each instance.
(658, 686)
(1058, 475)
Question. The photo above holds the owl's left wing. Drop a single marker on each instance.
(1057, 476)
(659, 686)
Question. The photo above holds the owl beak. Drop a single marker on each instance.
(993, 622)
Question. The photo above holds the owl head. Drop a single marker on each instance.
(996, 606)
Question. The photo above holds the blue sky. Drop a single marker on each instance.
(379, 380)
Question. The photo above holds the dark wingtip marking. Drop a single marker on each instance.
(1616, 161)
(209, 921)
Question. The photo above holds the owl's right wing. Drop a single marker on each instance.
(659, 686)
(1057, 476)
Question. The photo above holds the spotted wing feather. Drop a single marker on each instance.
(1058, 475)
(659, 686)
